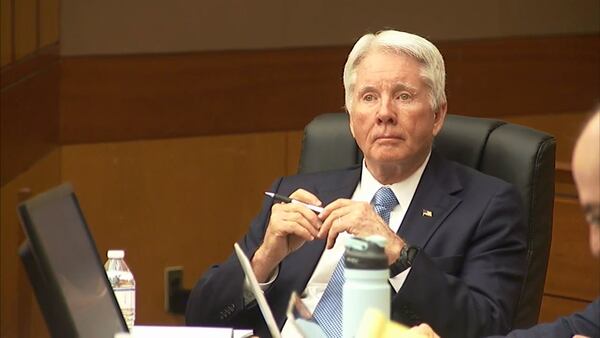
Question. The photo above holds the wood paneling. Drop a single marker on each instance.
(29, 117)
(109, 98)
(29, 134)
(294, 146)
(522, 76)
(19, 315)
(29, 111)
(555, 307)
(136, 97)
(572, 271)
(26, 27)
(49, 22)
(172, 202)
(6, 31)
(43, 59)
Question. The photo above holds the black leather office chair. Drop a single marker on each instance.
(516, 154)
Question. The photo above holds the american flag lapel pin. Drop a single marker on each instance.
(427, 213)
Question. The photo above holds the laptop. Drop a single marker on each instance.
(63, 255)
(298, 315)
(68, 277)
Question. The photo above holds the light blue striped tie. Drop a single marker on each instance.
(328, 312)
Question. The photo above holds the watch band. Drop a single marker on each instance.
(407, 256)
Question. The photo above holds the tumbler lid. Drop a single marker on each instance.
(366, 253)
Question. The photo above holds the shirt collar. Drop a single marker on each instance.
(404, 190)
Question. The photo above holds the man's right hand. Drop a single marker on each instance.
(290, 226)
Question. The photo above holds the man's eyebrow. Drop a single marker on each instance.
(401, 86)
(366, 89)
(396, 88)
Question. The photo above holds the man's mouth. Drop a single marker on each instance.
(389, 138)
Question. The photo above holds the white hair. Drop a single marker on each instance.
(430, 58)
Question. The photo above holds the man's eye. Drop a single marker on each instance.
(404, 96)
(369, 97)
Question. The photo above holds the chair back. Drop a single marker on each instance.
(519, 155)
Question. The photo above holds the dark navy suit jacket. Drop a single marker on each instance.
(586, 323)
(465, 282)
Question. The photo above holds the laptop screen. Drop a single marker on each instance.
(66, 256)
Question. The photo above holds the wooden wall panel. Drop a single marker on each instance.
(172, 202)
(6, 31)
(555, 307)
(522, 76)
(29, 111)
(133, 97)
(294, 146)
(29, 116)
(48, 22)
(19, 315)
(572, 271)
(26, 27)
(109, 98)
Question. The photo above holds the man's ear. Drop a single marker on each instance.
(439, 117)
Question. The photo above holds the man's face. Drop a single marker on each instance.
(391, 116)
(586, 172)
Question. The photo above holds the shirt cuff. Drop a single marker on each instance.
(249, 296)
(398, 280)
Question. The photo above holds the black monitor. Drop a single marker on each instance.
(64, 268)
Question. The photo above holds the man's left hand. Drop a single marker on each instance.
(358, 219)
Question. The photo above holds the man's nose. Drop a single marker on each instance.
(387, 112)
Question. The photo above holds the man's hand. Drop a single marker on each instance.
(290, 226)
(423, 330)
(358, 219)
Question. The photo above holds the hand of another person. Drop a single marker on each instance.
(290, 226)
(423, 330)
(358, 219)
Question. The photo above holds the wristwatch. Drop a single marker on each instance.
(407, 256)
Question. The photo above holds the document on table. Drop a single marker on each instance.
(143, 331)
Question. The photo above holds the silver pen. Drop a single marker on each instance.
(291, 200)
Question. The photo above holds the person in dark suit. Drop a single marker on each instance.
(455, 237)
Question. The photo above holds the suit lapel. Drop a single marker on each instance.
(340, 186)
(432, 203)
(337, 185)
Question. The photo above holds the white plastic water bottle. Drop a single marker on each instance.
(366, 286)
(123, 284)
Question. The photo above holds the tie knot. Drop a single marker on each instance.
(385, 198)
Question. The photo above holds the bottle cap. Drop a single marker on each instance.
(116, 254)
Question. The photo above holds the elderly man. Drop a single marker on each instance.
(455, 237)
